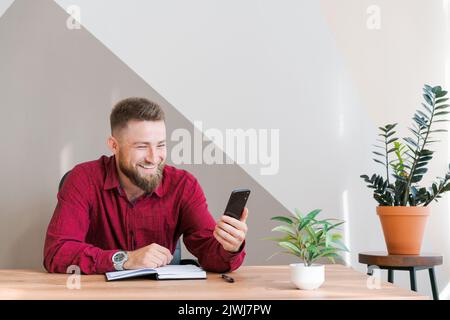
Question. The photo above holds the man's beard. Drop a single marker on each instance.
(147, 183)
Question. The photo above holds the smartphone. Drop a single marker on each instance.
(237, 202)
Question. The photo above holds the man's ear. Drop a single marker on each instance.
(113, 144)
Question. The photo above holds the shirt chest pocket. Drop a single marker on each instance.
(153, 226)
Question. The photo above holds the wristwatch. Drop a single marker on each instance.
(118, 259)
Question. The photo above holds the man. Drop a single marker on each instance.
(128, 211)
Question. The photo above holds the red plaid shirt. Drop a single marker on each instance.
(93, 219)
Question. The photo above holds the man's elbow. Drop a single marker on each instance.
(216, 269)
(49, 266)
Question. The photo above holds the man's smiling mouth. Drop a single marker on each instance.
(147, 167)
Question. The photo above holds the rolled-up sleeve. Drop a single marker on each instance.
(65, 239)
(197, 226)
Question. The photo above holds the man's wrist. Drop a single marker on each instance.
(239, 249)
(119, 259)
(127, 265)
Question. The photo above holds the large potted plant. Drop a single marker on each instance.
(309, 239)
(402, 203)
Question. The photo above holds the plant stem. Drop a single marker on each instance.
(387, 159)
(417, 156)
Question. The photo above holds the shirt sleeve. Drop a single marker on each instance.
(197, 226)
(65, 239)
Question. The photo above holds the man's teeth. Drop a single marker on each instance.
(147, 167)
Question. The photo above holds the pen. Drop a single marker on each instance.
(227, 278)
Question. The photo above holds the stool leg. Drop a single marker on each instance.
(433, 284)
(412, 278)
(369, 270)
(391, 275)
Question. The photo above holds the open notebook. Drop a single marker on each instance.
(187, 271)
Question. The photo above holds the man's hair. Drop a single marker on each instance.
(134, 108)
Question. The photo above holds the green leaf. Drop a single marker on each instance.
(326, 252)
(420, 171)
(446, 188)
(313, 214)
(378, 154)
(278, 239)
(285, 229)
(336, 225)
(310, 216)
(291, 247)
(441, 93)
(390, 126)
(425, 158)
(442, 106)
(298, 214)
(376, 160)
(390, 134)
(340, 245)
(310, 232)
(392, 140)
(428, 99)
(445, 120)
(439, 130)
(336, 236)
(421, 164)
(435, 189)
(440, 100)
(282, 219)
(437, 89)
(327, 239)
(423, 114)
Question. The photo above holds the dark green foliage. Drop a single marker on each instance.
(411, 158)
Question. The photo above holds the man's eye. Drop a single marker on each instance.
(142, 147)
(161, 146)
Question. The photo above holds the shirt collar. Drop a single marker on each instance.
(112, 177)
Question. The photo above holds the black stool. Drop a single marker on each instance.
(411, 263)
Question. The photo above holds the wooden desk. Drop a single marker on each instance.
(251, 282)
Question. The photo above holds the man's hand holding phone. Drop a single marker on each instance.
(231, 228)
(230, 232)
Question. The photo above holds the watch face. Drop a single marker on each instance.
(119, 256)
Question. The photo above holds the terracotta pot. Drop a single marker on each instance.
(403, 228)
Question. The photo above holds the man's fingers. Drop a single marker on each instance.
(223, 241)
(244, 215)
(163, 250)
(156, 260)
(228, 237)
(235, 223)
(160, 257)
(239, 234)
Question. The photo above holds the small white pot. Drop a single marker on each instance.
(307, 278)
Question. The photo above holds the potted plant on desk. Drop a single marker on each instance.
(309, 239)
(403, 204)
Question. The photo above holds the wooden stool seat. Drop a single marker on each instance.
(411, 263)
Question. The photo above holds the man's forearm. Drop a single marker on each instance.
(214, 258)
(91, 260)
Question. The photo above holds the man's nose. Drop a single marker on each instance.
(150, 156)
